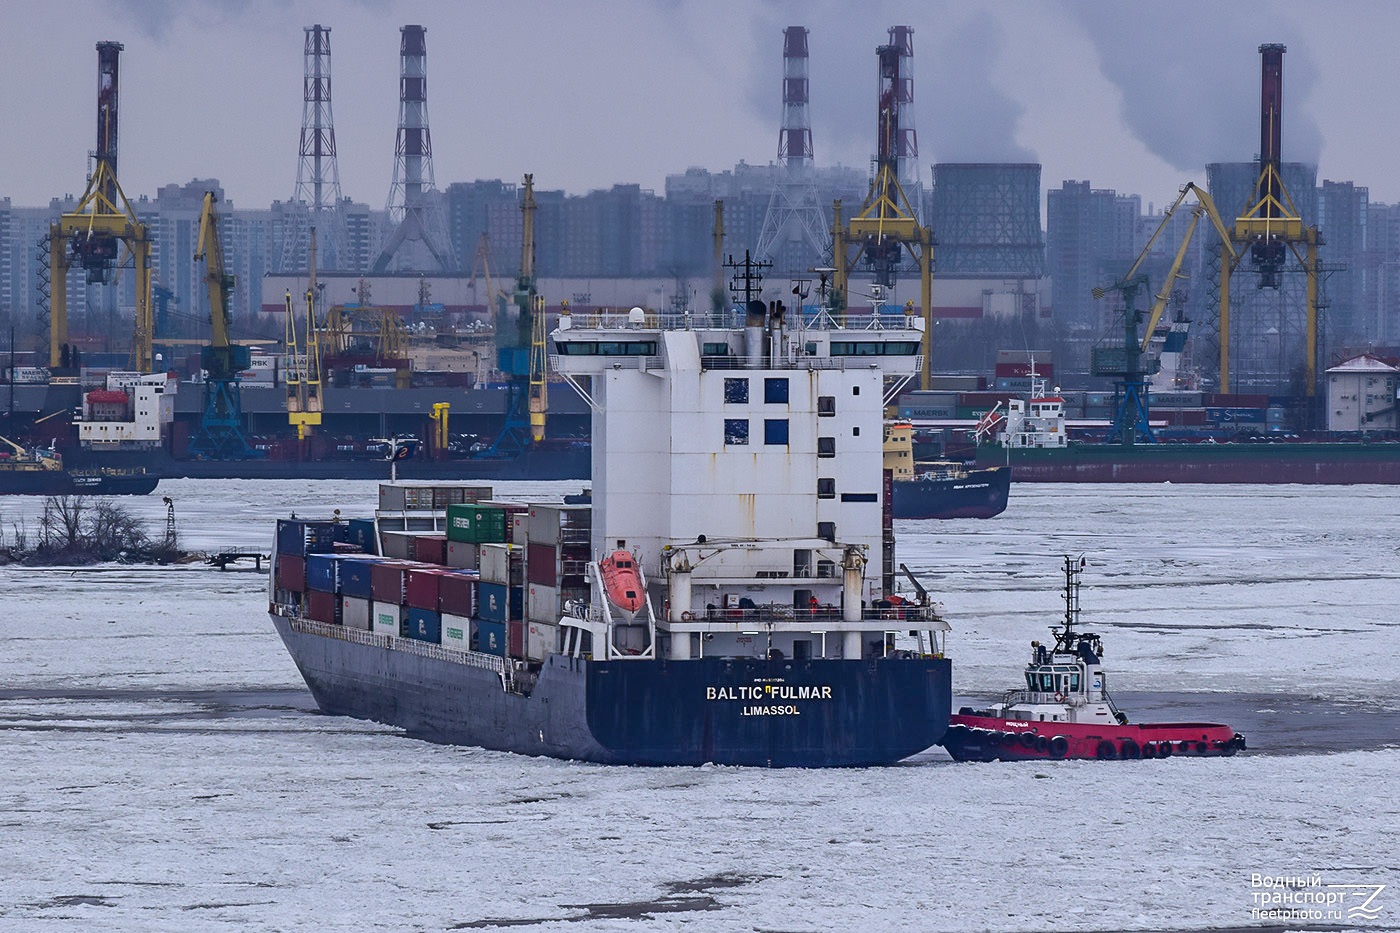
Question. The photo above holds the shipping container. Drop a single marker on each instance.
(464, 555)
(497, 603)
(478, 523)
(515, 638)
(300, 538)
(401, 497)
(388, 617)
(291, 573)
(456, 632)
(503, 564)
(541, 563)
(422, 625)
(387, 582)
(541, 603)
(421, 587)
(398, 544)
(361, 532)
(541, 640)
(518, 527)
(323, 607)
(355, 576)
(355, 613)
(457, 592)
(430, 549)
(322, 572)
(488, 637)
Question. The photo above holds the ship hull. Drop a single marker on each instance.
(1315, 464)
(981, 493)
(781, 713)
(65, 483)
(988, 738)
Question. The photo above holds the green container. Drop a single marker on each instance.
(477, 524)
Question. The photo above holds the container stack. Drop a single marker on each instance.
(495, 582)
(556, 560)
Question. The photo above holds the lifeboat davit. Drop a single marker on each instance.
(622, 581)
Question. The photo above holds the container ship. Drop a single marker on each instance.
(728, 596)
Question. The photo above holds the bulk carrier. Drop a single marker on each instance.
(728, 596)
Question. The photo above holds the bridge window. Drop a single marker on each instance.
(826, 488)
(874, 348)
(826, 447)
(826, 406)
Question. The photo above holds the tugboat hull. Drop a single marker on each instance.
(987, 738)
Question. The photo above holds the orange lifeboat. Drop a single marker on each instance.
(622, 581)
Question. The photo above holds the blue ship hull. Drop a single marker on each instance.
(778, 713)
(977, 493)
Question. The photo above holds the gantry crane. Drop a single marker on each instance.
(1271, 226)
(520, 348)
(886, 225)
(92, 234)
(1131, 403)
(220, 435)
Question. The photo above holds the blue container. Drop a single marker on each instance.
(422, 625)
(360, 532)
(301, 538)
(355, 576)
(488, 637)
(498, 603)
(321, 572)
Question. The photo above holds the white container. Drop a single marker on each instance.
(388, 619)
(456, 632)
(541, 640)
(502, 564)
(464, 555)
(355, 613)
(397, 544)
(559, 524)
(541, 603)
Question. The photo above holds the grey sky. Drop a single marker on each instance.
(1134, 96)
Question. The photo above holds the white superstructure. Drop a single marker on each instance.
(742, 464)
(134, 411)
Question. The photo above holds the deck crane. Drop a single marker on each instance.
(220, 435)
(92, 234)
(1130, 418)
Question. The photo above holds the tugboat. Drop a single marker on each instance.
(1065, 711)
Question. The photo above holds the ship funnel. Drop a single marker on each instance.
(755, 316)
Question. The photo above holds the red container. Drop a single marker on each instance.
(323, 607)
(542, 564)
(386, 583)
(291, 573)
(457, 593)
(421, 587)
(515, 639)
(430, 549)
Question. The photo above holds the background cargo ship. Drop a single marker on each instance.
(766, 634)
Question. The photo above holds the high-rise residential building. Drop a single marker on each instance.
(1091, 239)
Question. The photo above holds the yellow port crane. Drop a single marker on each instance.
(886, 225)
(1125, 362)
(92, 234)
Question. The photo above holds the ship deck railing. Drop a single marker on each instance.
(731, 318)
(497, 665)
(822, 618)
(559, 363)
